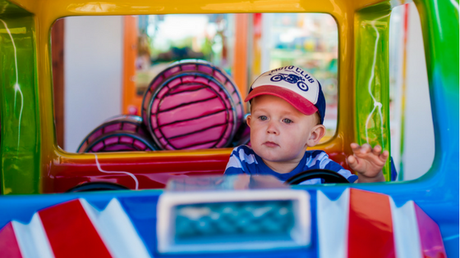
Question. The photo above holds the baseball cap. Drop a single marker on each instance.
(294, 85)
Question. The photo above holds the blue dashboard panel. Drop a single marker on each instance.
(141, 207)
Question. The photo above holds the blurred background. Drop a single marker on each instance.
(103, 65)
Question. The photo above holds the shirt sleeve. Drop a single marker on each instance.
(332, 165)
(234, 165)
(325, 162)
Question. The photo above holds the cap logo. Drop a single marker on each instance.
(292, 79)
(294, 85)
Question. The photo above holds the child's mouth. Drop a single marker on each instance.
(270, 144)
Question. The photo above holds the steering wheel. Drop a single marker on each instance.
(96, 186)
(328, 176)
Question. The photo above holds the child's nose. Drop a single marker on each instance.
(272, 128)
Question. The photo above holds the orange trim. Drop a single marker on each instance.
(130, 99)
(240, 71)
(256, 46)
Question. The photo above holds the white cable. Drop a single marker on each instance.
(117, 172)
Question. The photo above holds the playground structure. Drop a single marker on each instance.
(33, 164)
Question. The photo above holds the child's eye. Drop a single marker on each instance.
(263, 118)
(287, 121)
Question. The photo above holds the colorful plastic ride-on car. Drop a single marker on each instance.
(216, 216)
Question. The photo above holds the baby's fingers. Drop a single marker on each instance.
(366, 148)
(366, 151)
(384, 156)
(355, 147)
(377, 150)
(352, 162)
(360, 150)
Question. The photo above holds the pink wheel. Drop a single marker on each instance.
(120, 133)
(192, 105)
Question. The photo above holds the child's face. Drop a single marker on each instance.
(279, 132)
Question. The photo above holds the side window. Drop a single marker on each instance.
(111, 61)
(309, 41)
(412, 135)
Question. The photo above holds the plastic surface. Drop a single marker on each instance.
(246, 220)
(138, 224)
(372, 85)
(19, 102)
(32, 163)
(48, 167)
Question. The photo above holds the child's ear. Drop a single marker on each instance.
(316, 133)
(248, 120)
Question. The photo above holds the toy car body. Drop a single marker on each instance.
(33, 165)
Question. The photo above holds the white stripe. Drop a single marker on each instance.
(249, 159)
(233, 162)
(32, 239)
(345, 173)
(314, 181)
(312, 161)
(324, 161)
(405, 228)
(333, 225)
(116, 230)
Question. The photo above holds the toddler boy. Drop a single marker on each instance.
(287, 113)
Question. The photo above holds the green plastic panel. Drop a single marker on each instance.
(372, 83)
(20, 130)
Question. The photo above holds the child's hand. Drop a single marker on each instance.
(368, 162)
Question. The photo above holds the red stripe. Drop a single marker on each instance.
(370, 228)
(430, 236)
(9, 246)
(70, 231)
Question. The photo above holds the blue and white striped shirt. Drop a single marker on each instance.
(244, 160)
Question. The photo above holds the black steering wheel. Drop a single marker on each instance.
(328, 176)
(96, 186)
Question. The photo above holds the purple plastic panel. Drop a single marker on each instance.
(430, 236)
